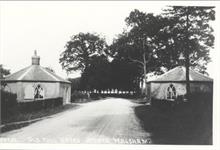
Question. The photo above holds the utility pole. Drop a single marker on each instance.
(187, 63)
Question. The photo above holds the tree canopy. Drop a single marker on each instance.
(151, 43)
(176, 37)
(138, 43)
(79, 51)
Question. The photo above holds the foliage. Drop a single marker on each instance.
(75, 83)
(8, 104)
(187, 123)
(78, 96)
(137, 44)
(32, 116)
(124, 75)
(151, 44)
(105, 75)
(3, 71)
(97, 75)
(176, 38)
(79, 51)
(38, 105)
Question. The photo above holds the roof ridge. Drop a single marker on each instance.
(22, 76)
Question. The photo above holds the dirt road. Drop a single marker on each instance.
(105, 121)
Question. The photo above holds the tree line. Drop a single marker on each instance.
(150, 44)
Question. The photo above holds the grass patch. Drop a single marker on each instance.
(25, 116)
(182, 124)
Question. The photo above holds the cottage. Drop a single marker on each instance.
(37, 83)
(172, 84)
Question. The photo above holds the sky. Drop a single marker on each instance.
(47, 26)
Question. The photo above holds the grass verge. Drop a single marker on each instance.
(26, 117)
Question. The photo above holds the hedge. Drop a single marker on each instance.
(8, 104)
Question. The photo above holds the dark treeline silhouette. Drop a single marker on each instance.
(150, 44)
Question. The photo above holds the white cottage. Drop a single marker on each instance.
(37, 83)
(172, 84)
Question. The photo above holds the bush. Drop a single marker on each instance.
(77, 95)
(8, 104)
(201, 98)
(184, 123)
(40, 104)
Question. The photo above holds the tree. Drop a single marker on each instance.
(97, 75)
(197, 35)
(188, 32)
(3, 71)
(75, 83)
(124, 75)
(79, 51)
(137, 44)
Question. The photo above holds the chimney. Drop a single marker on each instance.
(35, 59)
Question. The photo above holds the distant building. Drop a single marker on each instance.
(37, 83)
(172, 84)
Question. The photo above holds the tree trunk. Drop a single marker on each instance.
(144, 65)
(187, 65)
(145, 73)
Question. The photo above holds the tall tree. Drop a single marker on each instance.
(177, 35)
(137, 44)
(189, 32)
(79, 51)
(97, 75)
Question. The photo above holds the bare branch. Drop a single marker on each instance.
(137, 61)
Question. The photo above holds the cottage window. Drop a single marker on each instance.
(38, 92)
(171, 92)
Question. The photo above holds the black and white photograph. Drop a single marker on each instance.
(121, 73)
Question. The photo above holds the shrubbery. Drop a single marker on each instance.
(8, 104)
(196, 100)
(78, 95)
(184, 123)
(40, 104)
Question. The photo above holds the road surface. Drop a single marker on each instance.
(111, 120)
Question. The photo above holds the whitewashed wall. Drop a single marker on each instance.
(158, 90)
(65, 92)
(25, 90)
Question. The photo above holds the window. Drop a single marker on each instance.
(38, 92)
(171, 92)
